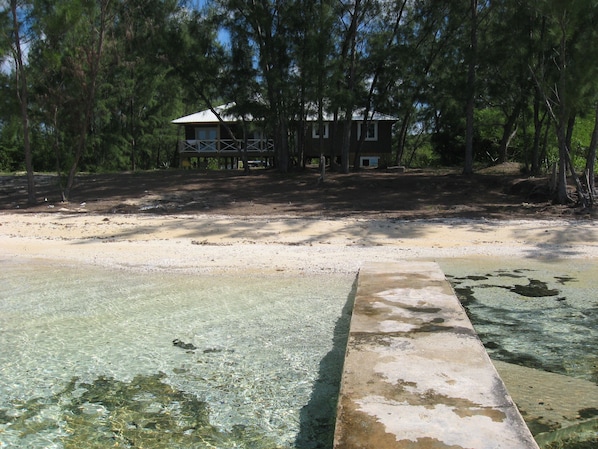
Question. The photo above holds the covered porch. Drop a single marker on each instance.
(219, 141)
(225, 153)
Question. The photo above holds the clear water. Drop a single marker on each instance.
(88, 358)
(539, 314)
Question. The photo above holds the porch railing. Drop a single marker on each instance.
(225, 146)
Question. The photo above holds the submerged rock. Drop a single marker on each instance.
(535, 289)
(183, 345)
(145, 413)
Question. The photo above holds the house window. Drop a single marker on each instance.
(369, 161)
(206, 133)
(371, 130)
(207, 138)
(315, 130)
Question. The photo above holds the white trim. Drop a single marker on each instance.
(368, 137)
(208, 136)
(373, 161)
(314, 130)
(224, 146)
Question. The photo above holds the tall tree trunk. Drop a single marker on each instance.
(345, 144)
(561, 196)
(350, 51)
(282, 144)
(243, 151)
(23, 97)
(374, 86)
(320, 124)
(241, 148)
(279, 124)
(95, 60)
(334, 133)
(540, 113)
(508, 134)
(132, 133)
(538, 126)
(563, 118)
(471, 81)
(564, 132)
(402, 139)
(362, 135)
(591, 157)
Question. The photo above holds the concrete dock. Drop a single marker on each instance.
(416, 376)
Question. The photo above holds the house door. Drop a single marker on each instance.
(208, 138)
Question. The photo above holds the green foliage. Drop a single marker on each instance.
(488, 133)
(10, 144)
(162, 59)
(422, 157)
(582, 134)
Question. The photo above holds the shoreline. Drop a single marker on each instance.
(290, 246)
(268, 245)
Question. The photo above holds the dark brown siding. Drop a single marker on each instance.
(190, 132)
(223, 133)
(381, 146)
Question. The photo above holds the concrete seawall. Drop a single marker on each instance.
(416, 375)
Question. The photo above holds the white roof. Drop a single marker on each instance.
(207, 116)
(356, 117)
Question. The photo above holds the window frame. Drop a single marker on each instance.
(368, 137)
(314, 130)
(211, 140)
(370, 159)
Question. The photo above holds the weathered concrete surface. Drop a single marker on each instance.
(416, 375)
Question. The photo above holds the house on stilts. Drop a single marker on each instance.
(208, 138)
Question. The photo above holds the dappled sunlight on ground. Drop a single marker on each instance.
(217, 242)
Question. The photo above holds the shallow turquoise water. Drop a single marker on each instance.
(87, 358)
(540, 314)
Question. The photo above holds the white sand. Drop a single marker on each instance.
(211, 243)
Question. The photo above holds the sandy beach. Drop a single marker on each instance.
(294, 245)
(218, 243)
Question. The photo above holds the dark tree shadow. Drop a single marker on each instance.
(318, 417)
